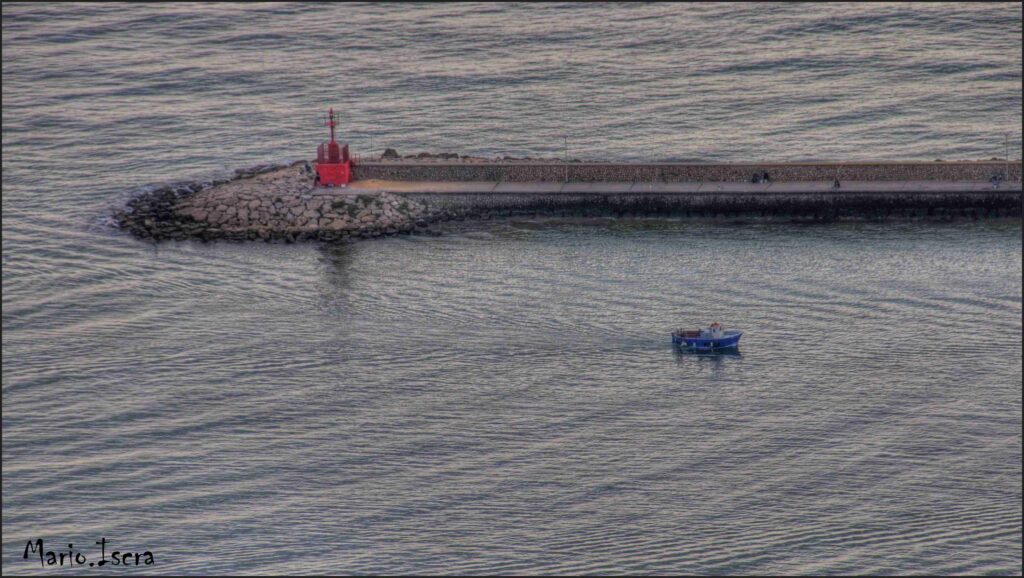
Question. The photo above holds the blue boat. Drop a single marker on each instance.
(714, 337)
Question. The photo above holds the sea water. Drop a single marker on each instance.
(506, 398)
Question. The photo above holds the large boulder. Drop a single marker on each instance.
(390, 154)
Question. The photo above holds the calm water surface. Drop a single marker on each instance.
(505, 398)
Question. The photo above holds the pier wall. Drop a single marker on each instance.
(520, 172)
(282, 202)
(790, 206)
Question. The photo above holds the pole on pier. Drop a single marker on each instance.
(1006, 159)
(565, 155)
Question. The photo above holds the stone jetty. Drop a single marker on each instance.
(268, 203)
(442, 168)
(281, 202)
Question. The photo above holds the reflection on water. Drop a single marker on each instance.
(335, 262)
(683, 350)
(715, 361)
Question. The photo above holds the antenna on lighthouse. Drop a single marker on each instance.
(330, 122)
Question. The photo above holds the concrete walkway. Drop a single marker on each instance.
(546, 188)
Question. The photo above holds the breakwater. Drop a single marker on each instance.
(572, 172)
(281, 202)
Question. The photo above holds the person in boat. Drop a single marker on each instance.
(716, 330)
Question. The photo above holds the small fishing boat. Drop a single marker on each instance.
(714, 337)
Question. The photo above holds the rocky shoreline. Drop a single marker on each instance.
(272, 202)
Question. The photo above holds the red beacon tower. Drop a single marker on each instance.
(333, 164)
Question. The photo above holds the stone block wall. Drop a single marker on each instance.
(816, 206)
(680, 172)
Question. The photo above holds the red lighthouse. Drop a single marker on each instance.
(333, 165)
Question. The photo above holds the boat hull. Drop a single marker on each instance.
(728, 340)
